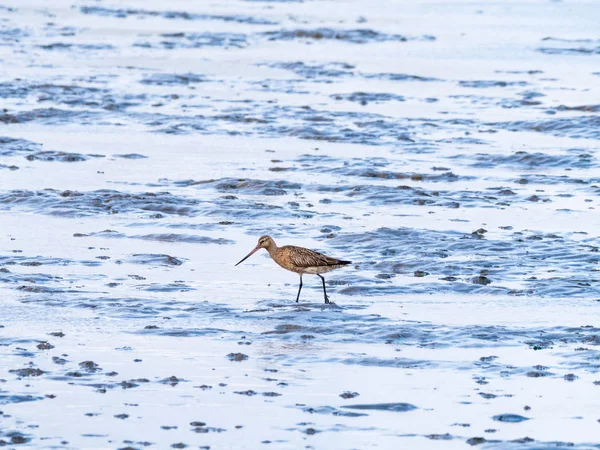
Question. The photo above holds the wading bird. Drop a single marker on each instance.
(298, 259)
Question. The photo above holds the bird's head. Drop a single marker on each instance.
(263, 242)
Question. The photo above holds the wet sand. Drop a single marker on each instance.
(450, 150)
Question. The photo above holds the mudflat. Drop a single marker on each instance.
(449, 149)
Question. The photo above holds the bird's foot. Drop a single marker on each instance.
(327, 302)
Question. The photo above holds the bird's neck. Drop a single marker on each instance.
(272, 248)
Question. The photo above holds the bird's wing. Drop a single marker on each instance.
(303, 257)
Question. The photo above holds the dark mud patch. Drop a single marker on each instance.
(187, 238)
(13, 167)
(72, 95)
(27, 372)
(315, 71)
(560, 46)
(365, 98)
(342, 326)
(12, 36)
(338, 126)
(373, 168)
(166, 79)
(580, 127)
(575, 158)
(265, 119)
(171, 287)
(349, 394)
(357, 36)
(245, 198)
(156, 259)
(510, 418)
(160, 237)
(69, 47)
(123, 13)
(550, 264)
(330, 410)
(14, 438)
(390, 76)
(131, 156)
(526, 99)
(36, 261)
(580, 108)
(237, 357)
(378, 195)
(485, 84)
(252, 186)
(195, 40)
(6, 399)
(51, 116)
(78, 204)
(56, 156)
(393, 407)
(399, 363)
(13, 147)
(32, 151)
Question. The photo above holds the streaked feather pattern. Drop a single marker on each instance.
(304, 258)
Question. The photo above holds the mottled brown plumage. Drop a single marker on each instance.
(298, 259)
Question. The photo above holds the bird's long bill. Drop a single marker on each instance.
(257, 248)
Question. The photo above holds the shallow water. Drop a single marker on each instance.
(450, 150)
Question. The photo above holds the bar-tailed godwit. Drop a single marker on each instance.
(298, 259)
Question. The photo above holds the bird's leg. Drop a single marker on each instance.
(299, 289)
(324, 290)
